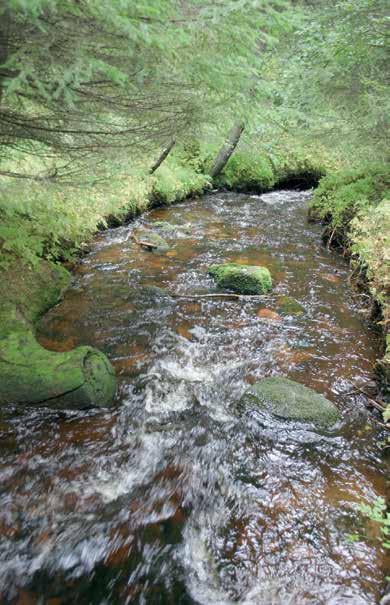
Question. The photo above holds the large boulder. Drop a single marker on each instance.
(30, 374)
(244, 279)
(290, 400)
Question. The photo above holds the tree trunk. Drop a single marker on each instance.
(162, 157)
(227, 149)
(4, 46)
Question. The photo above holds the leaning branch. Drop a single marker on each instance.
(162, 157)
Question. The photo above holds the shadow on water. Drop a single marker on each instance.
(171, 498)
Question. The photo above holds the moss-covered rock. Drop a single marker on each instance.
(289, 306)
(30, 374)
(290, 400)
(244, 279)
(164, 227)
(153, 239)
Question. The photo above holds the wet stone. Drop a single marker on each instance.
(289, 306)
(165, 227)
(152, 240)
(291, 400)
(244, 279)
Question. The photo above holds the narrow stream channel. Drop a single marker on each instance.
(169, 498)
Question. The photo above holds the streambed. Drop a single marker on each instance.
(169, 497)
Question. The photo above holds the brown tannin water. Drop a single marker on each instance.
(170, 497)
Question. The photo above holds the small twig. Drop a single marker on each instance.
(385, 426)
(331, 238)
(374, 403)
(145, 244)
(140, 242)
(222, 295)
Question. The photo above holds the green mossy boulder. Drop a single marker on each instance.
(289, 306)
(290, 400)
(244, 279)
(31, 374)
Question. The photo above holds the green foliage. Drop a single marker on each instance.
(341, 195)
(370, 234)
(379, 514)
(83, 77)
(248, 171)
(326, 82)
(46, 221)
(174, 182)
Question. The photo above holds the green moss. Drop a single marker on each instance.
(28, 372)
(164, 227)
(248, 171)
(342, 195)
(27, 292)
(289, 306)
(244, 279)
(291, 400)
(174, 182)
(154, 239)
(31, 374)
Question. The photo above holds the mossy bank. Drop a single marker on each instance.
(354, 206)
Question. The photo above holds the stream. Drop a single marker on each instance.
(170, 497)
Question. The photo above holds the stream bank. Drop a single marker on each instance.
(354, 206)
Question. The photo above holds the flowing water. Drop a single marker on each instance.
(170, 498)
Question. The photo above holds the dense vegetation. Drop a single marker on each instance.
(90, 94)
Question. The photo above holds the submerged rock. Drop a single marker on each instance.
(153, 240)
(291, 400)
(289, 306)
(244, 279)
(268, 314)
(164, 227)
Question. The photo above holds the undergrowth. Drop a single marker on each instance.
(54, 221)
(355, 206)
